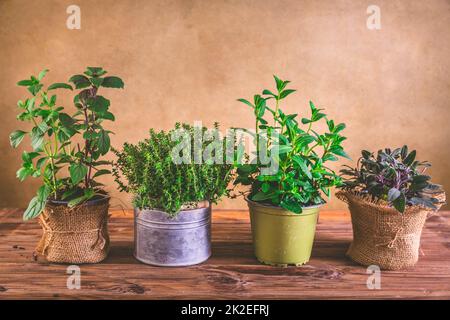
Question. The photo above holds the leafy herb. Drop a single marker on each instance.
(302, 175)
(55, 134)
(158, 182)
(395, 176)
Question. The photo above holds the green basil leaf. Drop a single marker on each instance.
(16, 137)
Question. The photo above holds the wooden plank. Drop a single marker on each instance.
(231, 273)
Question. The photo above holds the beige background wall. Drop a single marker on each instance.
(185, 60)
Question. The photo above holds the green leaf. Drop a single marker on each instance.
(28, 157)
(42, 74)
(366, 154)
(400, 203)
(278, 82)
(34, 89)
(24, 172)
(329, 157)
(318, 116)
(268, 92)
(25, 83)
(286, 92)
(312, 107)
(393, 194)
(34, 209)
(338, 150)
(40, 163)
(305, 120)
(43, 127)
(65, 133)
(265, 187)
(291, 206)
(261, 196)
(77, 172)
(95, 71)
(76, 201)
(66, 120)
(37, 139)
(43, 193)
(103, 142)
(112, 82)
(284, 149)
(106, 116)
(303, 167)
(339, 128)
(88, 194)
(96, 82)
(246, 102)
(421, 178)
(98, 104)
(16, 137)
(101, 172)
(80, 81)
(410, 158)
(404, 152)
(59, 85)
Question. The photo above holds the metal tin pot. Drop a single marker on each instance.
(281, 237)
(181, 241)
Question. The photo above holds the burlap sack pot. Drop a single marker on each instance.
(381, 235)
(75, 235)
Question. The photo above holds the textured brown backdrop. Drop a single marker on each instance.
(188, 60)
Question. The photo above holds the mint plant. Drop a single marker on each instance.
(394, 176)
(64, 142)
(301, 153)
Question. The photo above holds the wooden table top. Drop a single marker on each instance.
(231, 273)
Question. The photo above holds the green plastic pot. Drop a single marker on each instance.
(281, 237)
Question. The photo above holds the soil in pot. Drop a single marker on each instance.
(281, 237)
(75, 235)
(180, 241)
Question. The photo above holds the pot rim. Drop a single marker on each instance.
(316, 206)
(209, 205)
(88, 203)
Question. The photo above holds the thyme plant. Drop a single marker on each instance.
(157, 181)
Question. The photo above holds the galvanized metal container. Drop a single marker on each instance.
(181, 241)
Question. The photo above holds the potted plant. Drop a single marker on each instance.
(66, 155)
(284, 204)
(173, 195)
(390, 197)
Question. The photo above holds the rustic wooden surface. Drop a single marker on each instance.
(231, 273)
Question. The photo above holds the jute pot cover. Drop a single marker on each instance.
(381, 235)
(75, 235)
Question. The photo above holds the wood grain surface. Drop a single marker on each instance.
(231, 273)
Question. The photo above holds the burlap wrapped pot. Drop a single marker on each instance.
(381, 235)
(75, 235)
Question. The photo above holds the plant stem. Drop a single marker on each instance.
(52, 163)
(86, 146)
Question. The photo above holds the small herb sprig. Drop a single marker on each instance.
(302, 153)
(395, 176)
(60, 140)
